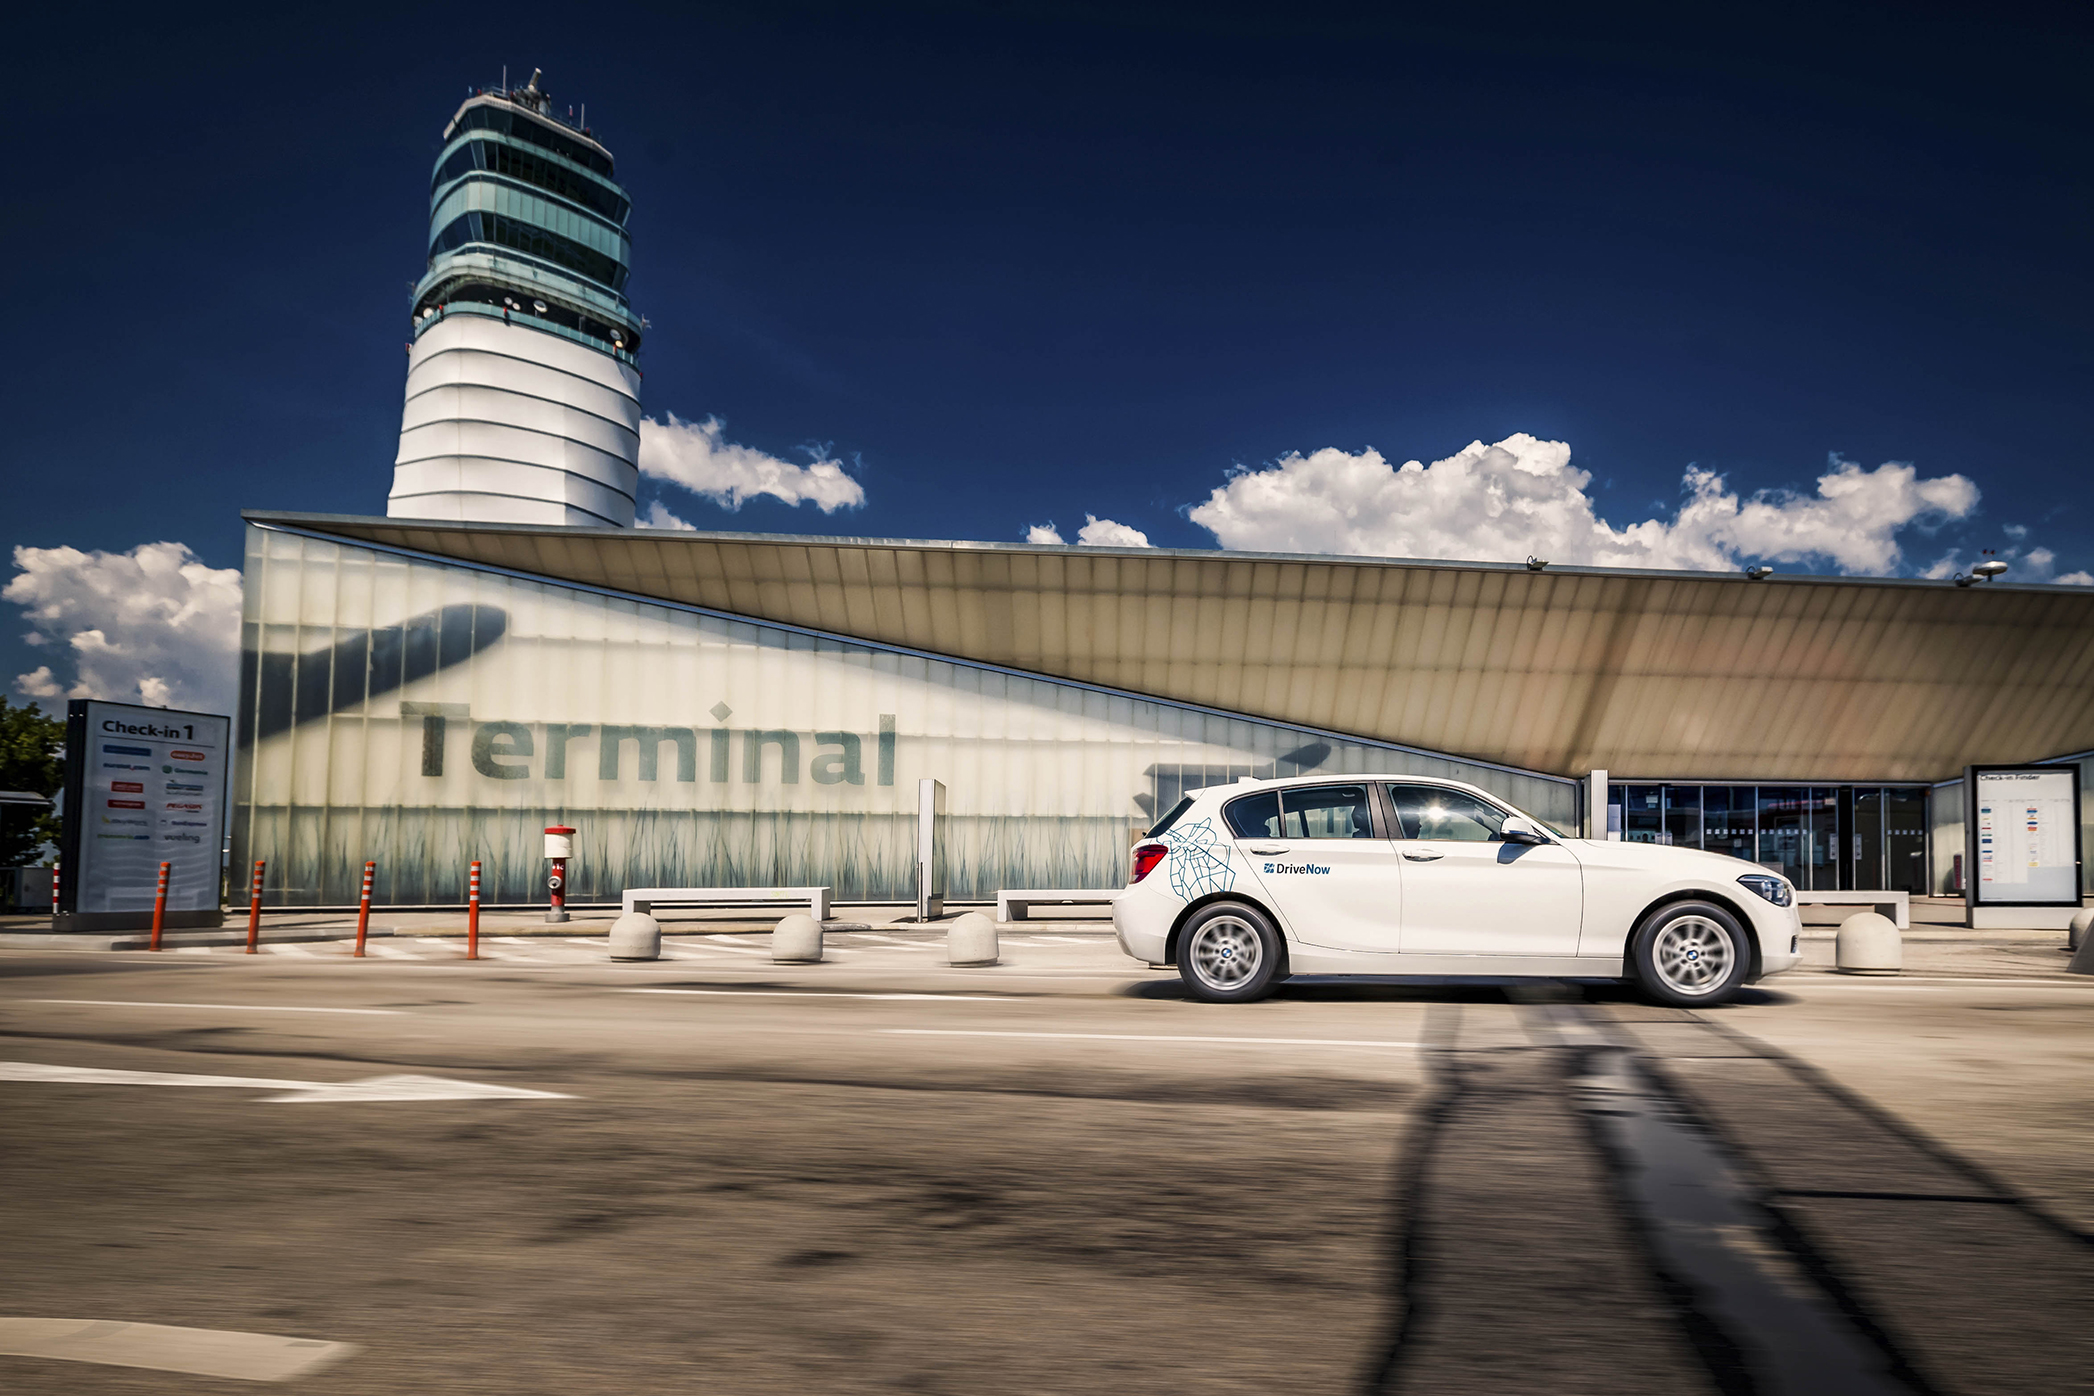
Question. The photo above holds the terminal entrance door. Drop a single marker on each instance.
(1885, 845)
(1905, 840)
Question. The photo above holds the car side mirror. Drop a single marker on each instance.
(1517, 830)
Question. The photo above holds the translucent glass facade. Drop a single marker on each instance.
(423, 713)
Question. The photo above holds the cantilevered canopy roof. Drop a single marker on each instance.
(1645, 673)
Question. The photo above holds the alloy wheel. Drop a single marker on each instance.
(1692, 955)
(1226, 951)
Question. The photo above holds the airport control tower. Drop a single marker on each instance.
(523, 401)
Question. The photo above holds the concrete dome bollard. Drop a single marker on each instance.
(797, 940)
(1869, 944)
(636, 936)
(972, 940)
(2083, 956)
(2076, 930)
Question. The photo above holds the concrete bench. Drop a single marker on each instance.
(815, 899)
(1896, 905)
(1013, 905)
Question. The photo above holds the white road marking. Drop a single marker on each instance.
(826, 994)
(586, 940)
(233, 1007)
(192, 950)
(1074, 940)
(208, 1352)
(1950, 986)
(724, 949)
(298, 1092)
(298, 952)
(2082, 982)
(511, 955)
(1152, 1037)
(392, 952)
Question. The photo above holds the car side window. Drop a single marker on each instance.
(1255, 816)
(1327, 812)
(1434, 812)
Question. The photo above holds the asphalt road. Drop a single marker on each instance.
(881, 1174)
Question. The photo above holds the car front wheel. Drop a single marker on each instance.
(1690, 955)
(1230, 953)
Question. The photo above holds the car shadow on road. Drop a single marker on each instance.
(1436, 989)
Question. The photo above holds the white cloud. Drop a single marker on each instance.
(698, 456)
(1095, 533)
(38, 683)
(659, 517)
(1104, 533)
(1522, 497)
(152, 626)
(2038, 565)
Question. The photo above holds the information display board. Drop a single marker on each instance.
(2023, 835)
(143, 786)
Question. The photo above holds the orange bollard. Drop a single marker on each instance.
(472, 914)
(254, 906)
(363, 910)
(160, 905)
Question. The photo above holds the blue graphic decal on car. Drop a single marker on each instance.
(1199, 860)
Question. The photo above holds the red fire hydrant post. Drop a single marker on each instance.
(160, 905)
(472, 913)
(559, 846)
(254, 906)
(363, 910)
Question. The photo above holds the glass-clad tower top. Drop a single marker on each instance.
(522, 391)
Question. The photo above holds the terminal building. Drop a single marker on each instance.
(735, 709)
(504, 651)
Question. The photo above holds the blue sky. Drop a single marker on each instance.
(1037, 262)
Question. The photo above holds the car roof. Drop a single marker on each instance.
(1248, 784)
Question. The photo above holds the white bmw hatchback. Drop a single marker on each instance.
(1242, 885)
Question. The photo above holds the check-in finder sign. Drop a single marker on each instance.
(2026, 836)
(151, 790)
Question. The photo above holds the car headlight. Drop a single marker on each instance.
(1772, 888)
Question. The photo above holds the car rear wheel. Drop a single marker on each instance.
(1230, 953)
(1690, 955)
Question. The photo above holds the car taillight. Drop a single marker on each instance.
(1146, 858)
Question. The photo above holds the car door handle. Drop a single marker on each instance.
(1423, 855)
(1267, 848)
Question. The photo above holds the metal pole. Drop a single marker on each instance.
(160, 905)
(472, 914)
(254, 906)
(363, 909)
